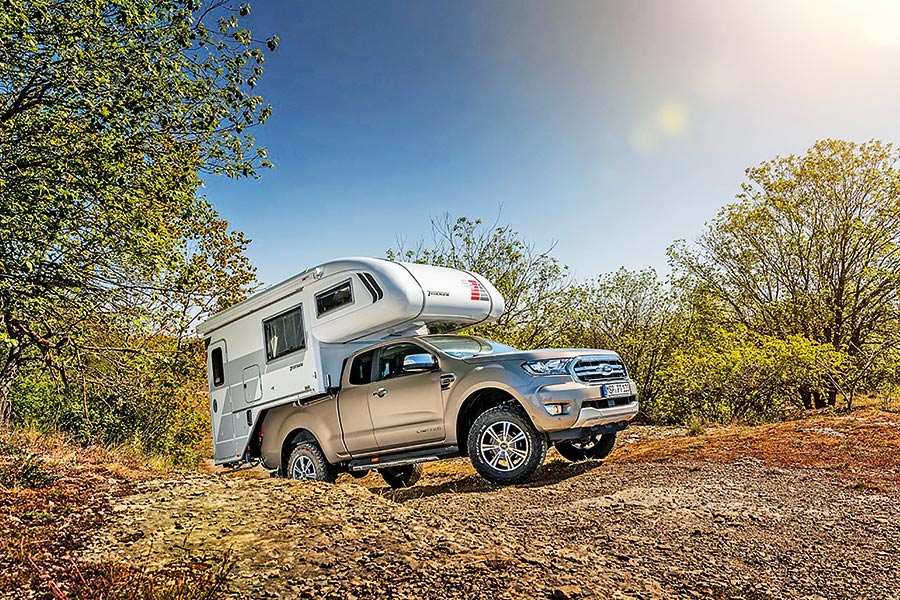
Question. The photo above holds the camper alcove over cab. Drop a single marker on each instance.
(287, 343)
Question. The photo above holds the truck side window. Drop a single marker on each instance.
(218, 367)
(361, 369)
(284, 333)
(334, 298)
(392, 357)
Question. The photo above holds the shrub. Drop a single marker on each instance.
(21, 469)
(696, 426)
(736, 375)
(153, 416)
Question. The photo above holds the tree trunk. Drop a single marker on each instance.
(818, 400)
(7, 376)
(806, 397)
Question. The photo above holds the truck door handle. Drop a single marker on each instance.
(381, 393)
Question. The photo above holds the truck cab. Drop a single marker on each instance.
(406, 401)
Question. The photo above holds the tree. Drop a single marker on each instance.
(811, 248)
(536, 287)
(634, 313)
(109, 113)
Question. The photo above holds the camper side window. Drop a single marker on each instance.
(218, 368)
(333, 299)
(284, 334)
(361, 369)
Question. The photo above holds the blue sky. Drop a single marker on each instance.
(610, 128)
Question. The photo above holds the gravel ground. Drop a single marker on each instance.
(676, 528)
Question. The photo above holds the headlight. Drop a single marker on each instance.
(553, 366)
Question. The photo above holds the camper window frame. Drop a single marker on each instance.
(212, 364)
(349, 282)
(296, 307)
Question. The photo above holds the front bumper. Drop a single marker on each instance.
(585, 406)
(589, 417)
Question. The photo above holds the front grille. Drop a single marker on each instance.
(598, 369)
(608, 402)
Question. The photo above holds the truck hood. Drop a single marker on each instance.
(542, 354)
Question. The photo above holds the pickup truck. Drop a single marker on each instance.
(406, 401)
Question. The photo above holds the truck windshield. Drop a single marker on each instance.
(460, 346)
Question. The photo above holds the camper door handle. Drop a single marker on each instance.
(381, 393)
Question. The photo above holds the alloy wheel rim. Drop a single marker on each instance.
(504, 446)
(303, 469)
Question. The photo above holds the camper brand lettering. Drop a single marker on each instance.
(437, 293)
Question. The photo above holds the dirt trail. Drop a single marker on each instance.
(683, 527)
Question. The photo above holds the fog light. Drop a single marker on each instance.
(555, 409)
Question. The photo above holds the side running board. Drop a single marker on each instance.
(402, 458)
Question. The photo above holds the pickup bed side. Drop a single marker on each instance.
(317, 420)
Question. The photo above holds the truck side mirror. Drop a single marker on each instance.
(419, 363)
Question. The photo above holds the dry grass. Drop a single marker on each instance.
(53, 497)
(696, 426)
(863, 444)
(881, 402)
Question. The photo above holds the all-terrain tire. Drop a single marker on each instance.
(307, 462)
(504, 447)
(597, 448)
(401, 477)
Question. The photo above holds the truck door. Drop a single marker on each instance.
(405, 401)
(353, 405)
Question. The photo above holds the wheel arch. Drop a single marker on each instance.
(476, 403)
(291, 440)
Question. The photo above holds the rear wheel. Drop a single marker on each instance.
(401, 477)
(504, 447)
(594, 448)
(308, 463)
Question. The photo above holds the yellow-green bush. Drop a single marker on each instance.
(145, 406)
(736, 375)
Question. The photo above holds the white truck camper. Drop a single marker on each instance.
(287, 343)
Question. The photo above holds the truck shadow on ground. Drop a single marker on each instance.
(549, 474)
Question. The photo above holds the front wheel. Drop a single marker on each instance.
(308, 463)
(594, 448)
(504, 447)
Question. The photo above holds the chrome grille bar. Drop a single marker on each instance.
(596, 369)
